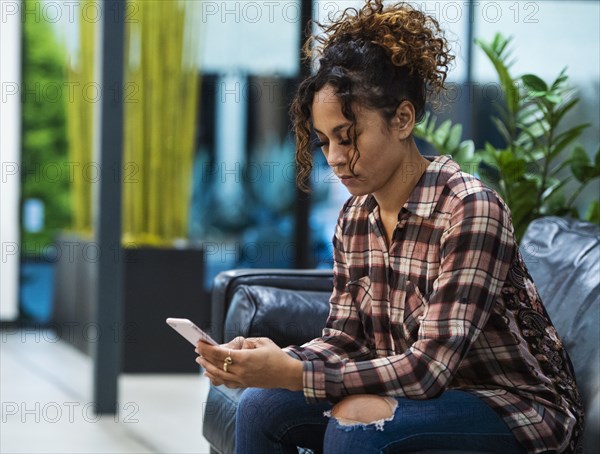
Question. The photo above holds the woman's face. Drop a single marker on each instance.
(382, 149)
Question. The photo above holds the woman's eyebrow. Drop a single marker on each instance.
(335, 130)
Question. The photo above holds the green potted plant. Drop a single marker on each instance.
(162, 271)
(539, 156)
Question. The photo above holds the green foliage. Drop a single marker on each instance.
(160, 121)
(80, 125)
(531, 171)
(44, 149)
(593, 214)
(447, 139)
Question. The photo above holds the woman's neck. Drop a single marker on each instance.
(411, 169)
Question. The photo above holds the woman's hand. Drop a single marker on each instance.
(255, 362)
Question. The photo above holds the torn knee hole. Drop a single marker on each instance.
(364, 411)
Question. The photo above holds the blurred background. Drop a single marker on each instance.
(207, 175)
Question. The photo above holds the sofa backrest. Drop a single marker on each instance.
(233, 286)
(563, 257)
(288, 317)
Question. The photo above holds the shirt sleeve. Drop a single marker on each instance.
(475, 254)
(343, 336)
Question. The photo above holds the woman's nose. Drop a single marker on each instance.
(337, 156)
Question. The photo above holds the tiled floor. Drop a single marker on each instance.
(46, 395)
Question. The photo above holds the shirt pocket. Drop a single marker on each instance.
(415, 306)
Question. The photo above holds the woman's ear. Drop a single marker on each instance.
(404, 119)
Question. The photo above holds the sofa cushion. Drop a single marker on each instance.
(563, 257)
(288, 317)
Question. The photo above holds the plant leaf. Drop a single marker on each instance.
(559, 168)
(523, 205)
(537, 129)
(593, 212)
(581, 165)
(534, 83)
(441, 134)
(446, 139)
(555, 185)
(431, 125)
(560, 80)
(565, 138)
(560, 112)
(512, 167)
(553, 98)
(501, 127)
(528, 114)
(453, 139)
(536, 94)
(498, 54)
(465, 156)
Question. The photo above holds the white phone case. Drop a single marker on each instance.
(190, 331)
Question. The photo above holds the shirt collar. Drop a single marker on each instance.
(426, 194)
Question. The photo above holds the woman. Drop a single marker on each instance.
(436, 336)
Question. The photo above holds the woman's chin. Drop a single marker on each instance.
(356, 191)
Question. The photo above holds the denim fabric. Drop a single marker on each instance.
(280, 421)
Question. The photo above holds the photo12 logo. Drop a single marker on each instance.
(54, 92)
(447, 12)
(450, 12)
(65, 412)
(238, 11)
(71, 332)
(67, 11)
(55, 172)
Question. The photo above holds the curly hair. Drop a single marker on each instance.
(374, 57)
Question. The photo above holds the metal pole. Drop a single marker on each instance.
(469, 111)
(107, 358)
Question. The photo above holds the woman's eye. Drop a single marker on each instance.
(323, 144)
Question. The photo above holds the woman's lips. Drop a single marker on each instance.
(346, 179)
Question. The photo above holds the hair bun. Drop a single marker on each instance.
(411, 38)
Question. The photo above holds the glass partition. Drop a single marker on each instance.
(244, 175)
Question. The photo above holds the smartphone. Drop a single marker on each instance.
(190, 331)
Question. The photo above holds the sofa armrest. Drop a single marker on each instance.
(288, 306)
(228, 283)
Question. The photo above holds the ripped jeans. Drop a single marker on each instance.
(280, 421)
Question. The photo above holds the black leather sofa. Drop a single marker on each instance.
(290, 307)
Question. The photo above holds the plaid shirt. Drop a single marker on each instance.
(449, 305)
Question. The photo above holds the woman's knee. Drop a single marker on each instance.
(264, 405)
(364, 409)
(359, 424)
(251, 396)
(252, 403)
